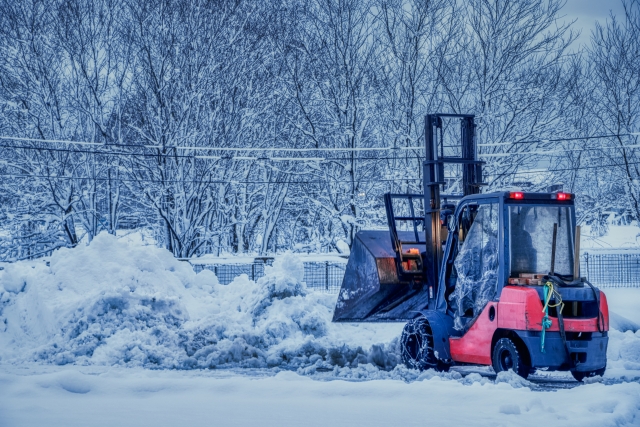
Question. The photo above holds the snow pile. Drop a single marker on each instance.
(116, 303)
(513, 379)
(113, 303)
(624, 350)
(621, 323)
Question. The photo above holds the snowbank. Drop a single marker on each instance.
(624, 302)
(118, 303)
(624, 350)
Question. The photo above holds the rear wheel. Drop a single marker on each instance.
(506, 356)
(579, 376)
(417, 346)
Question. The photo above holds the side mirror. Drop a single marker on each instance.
(451, 223)
(446, 215)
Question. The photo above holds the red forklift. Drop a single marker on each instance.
(484, 279)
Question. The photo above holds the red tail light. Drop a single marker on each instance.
(518, 195)
(563, 196)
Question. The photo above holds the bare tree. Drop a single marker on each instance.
(510, 73)
(613, 58)
(33, 89)
(188, 112)
(331, 65)
(416, 38)
(98, 79)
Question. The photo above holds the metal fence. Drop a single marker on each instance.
(611, 270)
(324, 276)
(603, 270)
(227, 272)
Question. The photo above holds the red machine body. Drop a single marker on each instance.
(519, 308)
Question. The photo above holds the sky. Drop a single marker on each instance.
(587, 12)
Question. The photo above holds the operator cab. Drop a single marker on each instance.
(479, 259)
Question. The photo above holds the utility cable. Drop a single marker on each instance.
(307, 149)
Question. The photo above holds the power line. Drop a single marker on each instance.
(179, 181)
(105, 153)
(558, 139)
(564, 150)
(574, 169)
(273, 159)
(293, 150)
(300, 159)
(178, 147)
(279, 159)
(57, 141)
(307, 159)
(307, 149)
(294, 182)
(155, 155)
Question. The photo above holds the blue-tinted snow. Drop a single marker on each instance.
(116, 303)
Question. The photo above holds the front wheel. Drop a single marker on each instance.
(579, 376)
(417, 346)
(506, 356)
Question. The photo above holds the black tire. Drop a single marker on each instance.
(417, 346)
(506, 356)
(580, 376)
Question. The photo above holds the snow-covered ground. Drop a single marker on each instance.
(116, 333)
(80, 396)
(618, 238)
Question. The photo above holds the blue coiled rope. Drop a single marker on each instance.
(549, 291)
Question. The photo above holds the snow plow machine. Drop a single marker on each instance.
(484, 279)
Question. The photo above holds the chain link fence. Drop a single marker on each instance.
(323, 276)
(227, 272)
(603, 270)
(611, 270)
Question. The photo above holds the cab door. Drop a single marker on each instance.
(472, 263)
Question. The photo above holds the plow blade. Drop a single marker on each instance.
(371, 289)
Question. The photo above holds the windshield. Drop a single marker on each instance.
(532, 239)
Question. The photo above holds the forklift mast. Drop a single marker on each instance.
(434, 218)
(433, 175)
(392, 275)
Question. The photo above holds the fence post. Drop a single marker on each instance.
(326, 275)
(586, 263)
